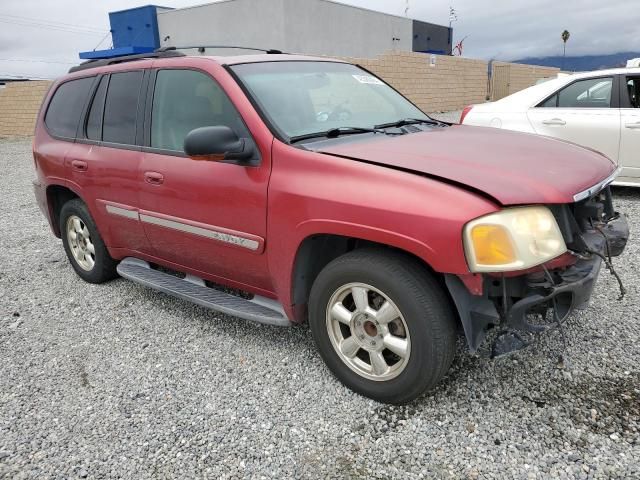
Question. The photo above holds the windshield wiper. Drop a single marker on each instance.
(410, 121)
(336, 132)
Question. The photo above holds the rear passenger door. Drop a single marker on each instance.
(204, 215)
(584, 112)
(105, 160)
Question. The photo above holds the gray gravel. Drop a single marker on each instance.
(118, 381)
(453, 117)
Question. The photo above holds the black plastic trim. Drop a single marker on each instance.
(82, 133)
(625, 101)
(125, 58)
(201, 49)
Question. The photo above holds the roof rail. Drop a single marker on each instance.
(125, 58)
(201, 49)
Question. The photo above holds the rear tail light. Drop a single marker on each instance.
(465, 112)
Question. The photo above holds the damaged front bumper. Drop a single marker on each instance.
(517, 304)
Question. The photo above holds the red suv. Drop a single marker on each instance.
(281, 188)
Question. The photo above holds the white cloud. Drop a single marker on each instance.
(501, 29)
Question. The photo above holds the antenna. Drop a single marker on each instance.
(406, 10)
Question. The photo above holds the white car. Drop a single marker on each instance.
(599, 110)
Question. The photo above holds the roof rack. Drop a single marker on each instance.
(165, 52)
(202, 48)
(162, 53)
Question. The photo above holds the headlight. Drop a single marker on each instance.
(513, 239)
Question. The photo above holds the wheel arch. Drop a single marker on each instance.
(57, 196)
(317, 250)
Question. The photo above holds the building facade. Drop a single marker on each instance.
(314, 27)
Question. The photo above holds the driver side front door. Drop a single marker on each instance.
(203, 215)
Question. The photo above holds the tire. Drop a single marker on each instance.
(424, 330)
(86, 252)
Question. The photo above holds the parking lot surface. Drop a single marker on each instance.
(119, 381)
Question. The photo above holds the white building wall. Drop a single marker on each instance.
(250, 23)
(317, 27)
(321, 27)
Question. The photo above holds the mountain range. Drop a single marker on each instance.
(583, 63)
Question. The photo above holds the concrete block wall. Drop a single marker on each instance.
(450, 84)
(19, 106)
(524, 76)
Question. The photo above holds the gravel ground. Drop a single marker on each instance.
(118, 381)
(453, 117)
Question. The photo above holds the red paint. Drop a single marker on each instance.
(294, 193)
(464, 113)
(514, 168)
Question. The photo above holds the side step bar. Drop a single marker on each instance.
(193, 289)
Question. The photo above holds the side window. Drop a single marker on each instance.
(65, 108)
(550, 103)
(121, 108)
(592, 93)
(633, 90)
(184, 100)
(94, 120)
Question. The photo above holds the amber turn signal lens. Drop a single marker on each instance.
(492, 245)
(513, 239)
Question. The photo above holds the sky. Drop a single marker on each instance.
(41, 38)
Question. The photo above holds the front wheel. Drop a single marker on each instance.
(383, 325)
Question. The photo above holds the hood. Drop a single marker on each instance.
(512, 168)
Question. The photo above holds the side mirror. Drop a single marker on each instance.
(217, 144)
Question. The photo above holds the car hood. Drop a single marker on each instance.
(512, 168)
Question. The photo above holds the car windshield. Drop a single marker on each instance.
(305, 97)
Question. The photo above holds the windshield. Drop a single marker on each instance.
(302, 98)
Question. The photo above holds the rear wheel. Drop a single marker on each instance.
(84, 246)
(382, 324)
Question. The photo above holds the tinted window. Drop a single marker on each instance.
(121, 108)
(94, 120)
(551, 103)
(593, 93)
(184, 100)
(65, 108)
(633, 89)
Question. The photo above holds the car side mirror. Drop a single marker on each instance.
(217, 144)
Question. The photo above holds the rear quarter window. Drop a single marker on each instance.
(66, 106)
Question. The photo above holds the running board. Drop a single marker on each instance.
(193, 289)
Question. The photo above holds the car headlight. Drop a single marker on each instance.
(513, 239)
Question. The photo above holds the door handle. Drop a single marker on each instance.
(633, 126)
(554, 121)
(79, 165)
(154, 178)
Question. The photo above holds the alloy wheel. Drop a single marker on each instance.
(80, 244)
(368, 332)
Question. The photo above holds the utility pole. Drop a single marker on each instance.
(406, 10)
(453, 17)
